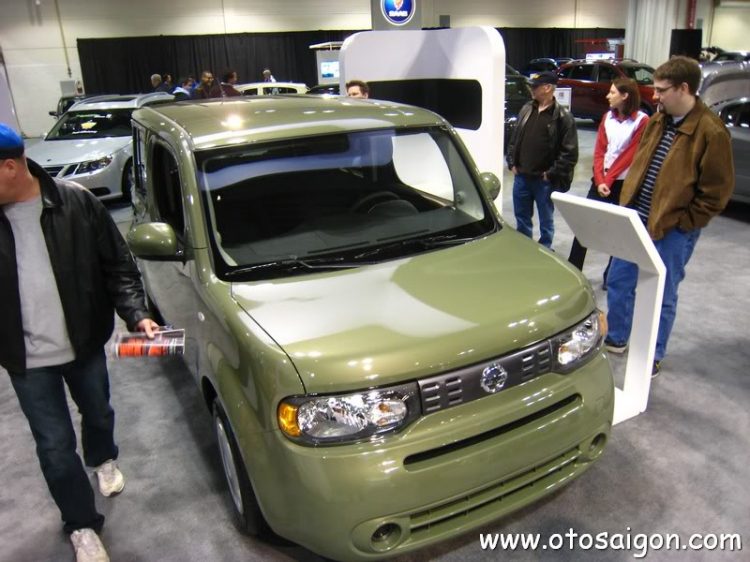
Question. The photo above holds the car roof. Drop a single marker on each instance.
(615, 62)
(117, 101)
(231, 121)
(270, 84)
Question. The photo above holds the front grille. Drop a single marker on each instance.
(53, 170)
(458, 387)
(61, 171)
(504, 496)
(415, 461)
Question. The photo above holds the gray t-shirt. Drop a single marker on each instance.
(44, 329)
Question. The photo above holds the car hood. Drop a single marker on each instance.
(55, 152)
(413, 317)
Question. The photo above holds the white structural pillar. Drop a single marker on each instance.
(619, 232)
(468, 53)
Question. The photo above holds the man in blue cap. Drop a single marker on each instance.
(542, 153)
(64, 270)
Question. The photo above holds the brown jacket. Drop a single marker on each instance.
(696, 179)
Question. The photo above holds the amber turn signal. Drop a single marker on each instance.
(288, 419)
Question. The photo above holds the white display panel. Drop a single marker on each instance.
(619, 232)
(471, 53)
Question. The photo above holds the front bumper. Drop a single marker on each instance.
(105, 183)
(451, 471)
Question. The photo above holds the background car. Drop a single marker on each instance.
(517, 94)
(736, 116)
(590, 82)
(544, 64)
(732, 56)
(271, 88)
(92, 144)
(325, 89)
(66, 102)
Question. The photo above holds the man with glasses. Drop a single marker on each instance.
(208, 88)
(681, 177)
(542, 154)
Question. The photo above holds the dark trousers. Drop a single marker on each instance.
(41, 394)
(578, 252)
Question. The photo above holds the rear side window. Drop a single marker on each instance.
(607, 74)
(582, 72)
(166, 188)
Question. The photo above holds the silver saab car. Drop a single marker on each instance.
(92, 144)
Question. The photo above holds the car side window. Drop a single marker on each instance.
(566, 72)
(139, 170)
(167, 188)
(285, 90)
(582, 72)
(743, 117)
(250, 92)
(607, 74)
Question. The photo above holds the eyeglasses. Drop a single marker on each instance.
(660, 91)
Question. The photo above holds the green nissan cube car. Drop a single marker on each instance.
(386, 361)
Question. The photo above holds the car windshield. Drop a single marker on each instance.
(345, 199)
(517, 88)
(96, 124)
(642, 74)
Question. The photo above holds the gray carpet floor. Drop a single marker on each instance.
(681, 467)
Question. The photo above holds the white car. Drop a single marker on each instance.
(270, 88)
(92, 144)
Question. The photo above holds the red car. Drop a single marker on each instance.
(591, 80)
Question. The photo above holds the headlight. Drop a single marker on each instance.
(349, 417)
(576, 346)
(93, 165)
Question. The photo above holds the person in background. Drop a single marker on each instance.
(357, 89)
(228, 80)
(64, 270)
(182, 92)
(681, 177)
(616, 142)
(166, 85)
(208, 87)
(156, 82)
(542, 154)
(267, 76)
(193, 84)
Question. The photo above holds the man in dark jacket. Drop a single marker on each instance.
(681, 177)
(208, 87)
(64, 269)
(542, 154)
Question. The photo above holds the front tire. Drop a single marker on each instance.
(249, 517)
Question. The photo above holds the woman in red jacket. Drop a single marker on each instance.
(616, 142)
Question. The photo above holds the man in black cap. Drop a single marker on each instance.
(64, 270)
(542, 154)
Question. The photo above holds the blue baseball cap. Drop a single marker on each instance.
(11, 143)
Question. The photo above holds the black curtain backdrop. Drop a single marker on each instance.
(125, 64)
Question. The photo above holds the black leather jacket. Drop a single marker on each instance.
(564, 139)
(93, 267)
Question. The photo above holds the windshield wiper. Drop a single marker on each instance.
(425, 243)
(296, 263)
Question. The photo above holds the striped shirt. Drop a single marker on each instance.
(642, 203)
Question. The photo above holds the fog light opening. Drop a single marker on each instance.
(386, 536)
(597, 446)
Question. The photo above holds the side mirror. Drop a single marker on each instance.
(154, 241)
(491, 185)
(53, 114)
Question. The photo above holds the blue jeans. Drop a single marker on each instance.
(41, 394)
(675, 250)
(526, 191)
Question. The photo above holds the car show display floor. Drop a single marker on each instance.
(680, 468)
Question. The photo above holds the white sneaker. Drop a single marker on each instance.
(111, 480)
(89, 547)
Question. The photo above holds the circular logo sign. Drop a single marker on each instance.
(494, 378)
(398, 12)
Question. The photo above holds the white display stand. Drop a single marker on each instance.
(619, 232)
(469, 53)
